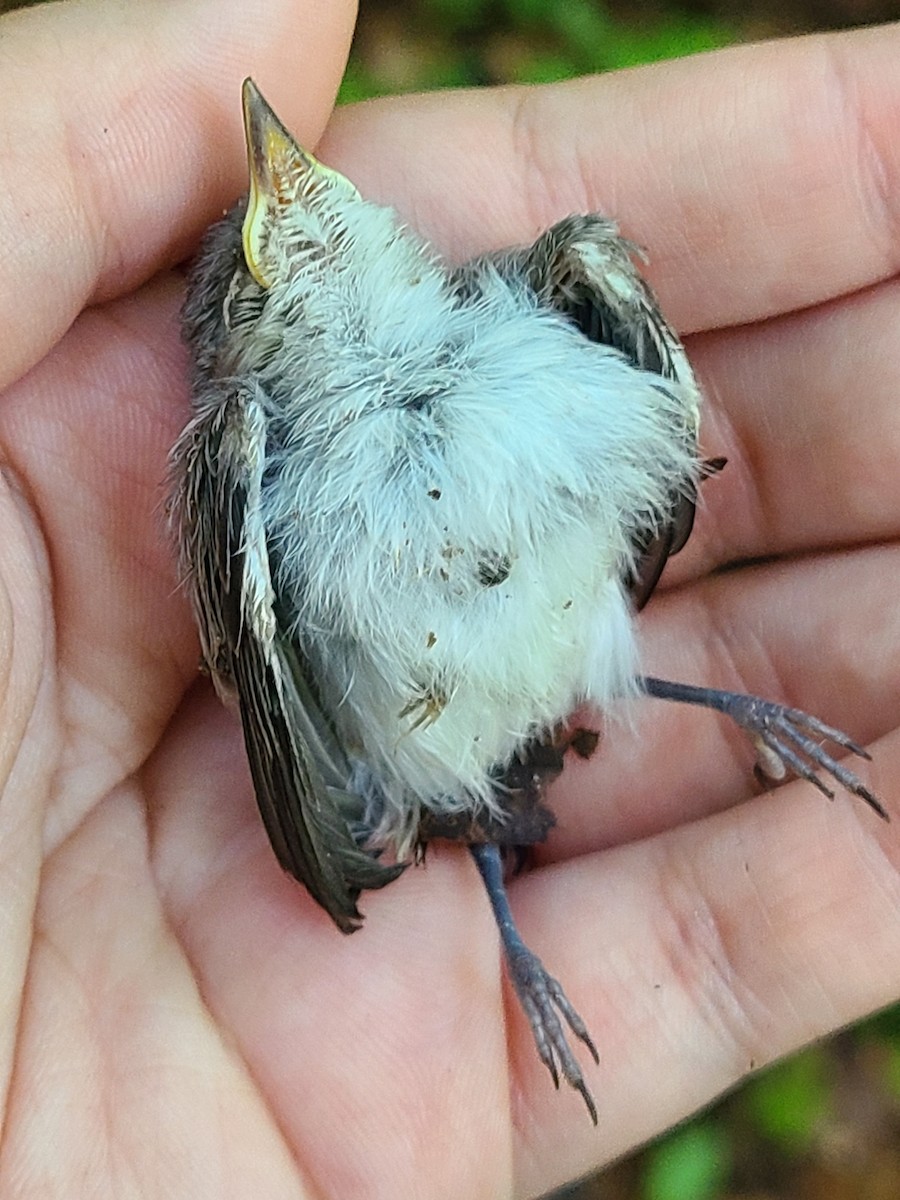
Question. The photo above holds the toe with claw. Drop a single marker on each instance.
(543, 1001)
(785, 738)
(541, 996)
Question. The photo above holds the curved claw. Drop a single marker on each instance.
(790, 726)
(543, 1001)
(781, 732)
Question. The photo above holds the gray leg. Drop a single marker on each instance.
(539, 993)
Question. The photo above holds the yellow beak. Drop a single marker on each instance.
(276, 163)
(279, 169)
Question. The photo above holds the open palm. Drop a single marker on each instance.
(178, 1018)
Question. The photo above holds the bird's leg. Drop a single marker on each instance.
(784, 738)
(540, 995)
(504, 838)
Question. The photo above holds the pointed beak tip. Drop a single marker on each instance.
(271, 156)
(257, 113)
(268, 141)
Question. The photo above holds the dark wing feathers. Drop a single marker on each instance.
(296, 762)
(302, 815)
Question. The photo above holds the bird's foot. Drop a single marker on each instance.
(544, 1001)
(541, 996)
(784, 737)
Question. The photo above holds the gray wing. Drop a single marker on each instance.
(583, 268)
(298, 767)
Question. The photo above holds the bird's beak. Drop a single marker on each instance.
(277, 167)
(281, 173)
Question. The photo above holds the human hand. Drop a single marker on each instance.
(178, 1016)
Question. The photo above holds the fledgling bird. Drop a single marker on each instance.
(417, 508)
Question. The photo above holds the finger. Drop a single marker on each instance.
(762, 178)
(108, 177)
(740, 631)
(700, 956)
(117, 1060)
(361, 1046)
(804, 407)
(87, 431)
(27, 765)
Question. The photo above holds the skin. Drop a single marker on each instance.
(176, 1016)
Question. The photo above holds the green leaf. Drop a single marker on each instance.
(545, 68)
(357, 84)
(525, 12)
(788, 1103)
(691, 1163)
(885, 1024)
(579, 22)
(892, 1070)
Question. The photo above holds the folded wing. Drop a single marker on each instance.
(298, 767)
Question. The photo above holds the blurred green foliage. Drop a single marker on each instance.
(590, 38)
(691, 1163)
(883, 1031)
(823, 1123)
(892, 1069)
(788, 1103)
(452, 43)
(782, 1127)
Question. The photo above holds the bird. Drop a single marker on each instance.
(418, 506)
